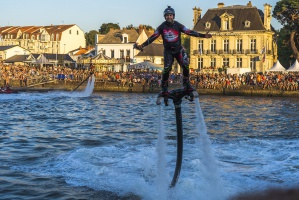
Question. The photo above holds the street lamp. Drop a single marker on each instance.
(56, 55)
(63, 53)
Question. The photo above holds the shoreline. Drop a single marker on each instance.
(60, 85)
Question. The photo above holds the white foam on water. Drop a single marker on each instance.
(52, 94)
(145, 168)
(211, 180)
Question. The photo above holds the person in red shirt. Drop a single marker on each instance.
(171, 30)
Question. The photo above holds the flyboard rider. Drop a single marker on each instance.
(171, 30)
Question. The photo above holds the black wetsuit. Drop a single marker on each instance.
(171, 35)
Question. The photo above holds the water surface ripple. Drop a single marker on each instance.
(59, 145)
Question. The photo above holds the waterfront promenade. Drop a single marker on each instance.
(244, 90)
(26, 79)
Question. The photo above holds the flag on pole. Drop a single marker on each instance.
(263, 51)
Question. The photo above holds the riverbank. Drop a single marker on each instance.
(139, 88)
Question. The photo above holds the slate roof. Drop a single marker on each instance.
(16, 58)
(51, 56)
(115, 36)
(101, 56)
(152, 50)
(22, 58)
(240, 13)
(3, 48)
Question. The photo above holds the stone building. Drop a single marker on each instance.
(242, 40)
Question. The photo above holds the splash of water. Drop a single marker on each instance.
(212, 181)
(162, 184)
(88, 89)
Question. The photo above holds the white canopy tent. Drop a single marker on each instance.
(277, 67)
(146, 65)
(294, 67)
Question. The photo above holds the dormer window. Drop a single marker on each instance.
(227, 21)
(247, 24)
(125, 38)
(208, 25)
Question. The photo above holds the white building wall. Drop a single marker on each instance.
(17, 50)
(117, 48)
(71, 39)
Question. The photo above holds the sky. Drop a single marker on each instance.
(91, 14)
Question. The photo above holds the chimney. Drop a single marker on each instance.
(249, 4)
(196, 15)
(220, 5)
(267, 16)
(140, 28)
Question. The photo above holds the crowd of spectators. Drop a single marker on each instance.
(27, 75)
(271, 80)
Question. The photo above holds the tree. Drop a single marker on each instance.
(90, 37)
(146, 27)
(285, 53)
(186, 43)
(105, 28)
(287, 13)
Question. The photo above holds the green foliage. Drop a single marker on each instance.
(285, 53)
(186, 43)
(105, 28)
(287, 13)
(147, 27)
(90, 37)
(130, 27)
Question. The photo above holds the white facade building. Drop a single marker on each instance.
(55, 39)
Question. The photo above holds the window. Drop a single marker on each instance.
(239, 45)
(239, 62)
(225, 62)
(213, 46)
(213, 62)
(252, 64)
(70, 31)
(226, 24)
(208, 25)
(247, 24)
(227, 21)
(252, 45)
(125, 39)
(122, 54)
(77, 32)
(226, 45)
(112, 53)
(200, 63)
(128, 52)
(200, 47)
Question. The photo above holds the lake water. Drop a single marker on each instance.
(85, 145)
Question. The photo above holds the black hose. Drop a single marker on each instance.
(82, 82)
(178, 113)
(177, 96)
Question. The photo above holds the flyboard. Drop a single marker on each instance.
(177, 95)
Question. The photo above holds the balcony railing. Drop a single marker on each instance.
(230, 51)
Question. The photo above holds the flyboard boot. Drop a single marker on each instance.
(164, 91)
(188, 88)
